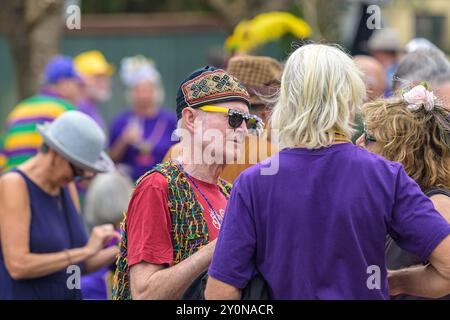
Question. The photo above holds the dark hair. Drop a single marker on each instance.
(44, 148)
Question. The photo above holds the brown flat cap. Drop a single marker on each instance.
(260, 75)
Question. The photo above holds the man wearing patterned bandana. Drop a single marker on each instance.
(177, 208)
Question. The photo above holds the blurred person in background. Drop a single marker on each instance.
(419, 44)
(141, 136)
(384, 45)
(106, 200)
(375, 81)
(430, 65)
(412, 129)
(96, 73)
(373, 76)
(41, 231)
(61, 88)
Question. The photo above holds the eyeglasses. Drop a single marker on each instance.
(79, 174)
(235, 118)
(367, 137)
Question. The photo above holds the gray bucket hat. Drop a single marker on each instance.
(79, 140)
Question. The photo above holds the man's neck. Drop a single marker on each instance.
(205, 172)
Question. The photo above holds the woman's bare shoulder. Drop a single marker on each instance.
(12, 179)
(441, 203)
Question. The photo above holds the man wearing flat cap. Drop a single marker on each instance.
(177, 208)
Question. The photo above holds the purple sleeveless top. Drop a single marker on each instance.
(55, 225)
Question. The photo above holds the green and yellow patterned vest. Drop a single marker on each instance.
(189, 230)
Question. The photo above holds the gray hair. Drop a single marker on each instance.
(429, 65)
(107, 198)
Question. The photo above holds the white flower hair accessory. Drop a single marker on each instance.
(418, 97)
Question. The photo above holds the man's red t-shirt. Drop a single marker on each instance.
(149, 224)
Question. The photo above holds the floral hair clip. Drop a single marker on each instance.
(420, 96)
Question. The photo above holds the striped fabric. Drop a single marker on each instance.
(22, 140)
(2, 156)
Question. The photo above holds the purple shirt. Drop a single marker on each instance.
(156, 139)
(317, 228)
(91, 109)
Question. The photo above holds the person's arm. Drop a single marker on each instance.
(118, 149)
(442, 205)
(150, 248)
(152, 281)
(418, 227)
(15, 218)
(218, 290)
(104, 258)
(431, 281)
(129, 135)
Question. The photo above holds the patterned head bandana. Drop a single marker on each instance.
(209, 85)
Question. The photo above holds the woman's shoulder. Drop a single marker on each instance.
(12, 179)
(441, 202)
(13, 188)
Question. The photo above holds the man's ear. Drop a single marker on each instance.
(189, 115)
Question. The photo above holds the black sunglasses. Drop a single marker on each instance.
(78, 173)
(235, 119)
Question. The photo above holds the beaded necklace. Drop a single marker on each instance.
(201, 192)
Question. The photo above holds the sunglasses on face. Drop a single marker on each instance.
(367, 137)
(80, 174)
(235, 117)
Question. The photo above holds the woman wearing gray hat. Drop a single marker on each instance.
(43, 242)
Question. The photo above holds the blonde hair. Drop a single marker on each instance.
(419, 140)
(320, 89)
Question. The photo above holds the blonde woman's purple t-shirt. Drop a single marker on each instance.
(317, 229)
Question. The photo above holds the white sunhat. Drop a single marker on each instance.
(386, 39)
(79, 140)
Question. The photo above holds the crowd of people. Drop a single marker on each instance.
(322, 177)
